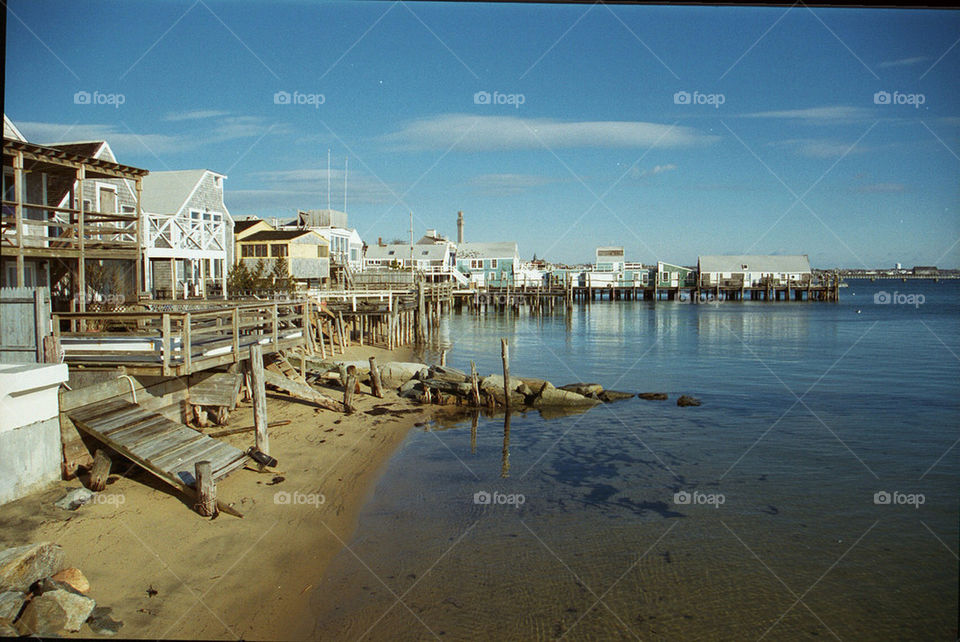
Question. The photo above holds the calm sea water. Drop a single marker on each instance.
(755, 515)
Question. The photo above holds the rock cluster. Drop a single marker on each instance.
(40, 596)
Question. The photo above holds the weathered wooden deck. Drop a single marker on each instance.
(182, 341)
(166, 448)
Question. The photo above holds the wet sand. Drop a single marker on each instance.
(169, 573)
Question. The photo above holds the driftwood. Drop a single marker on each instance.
(302, 391)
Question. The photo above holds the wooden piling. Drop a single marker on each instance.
(259, 398)
(505, 354)
(100, 471)
(375, 387)
(475, 384)
(348, 391)
(206, 489)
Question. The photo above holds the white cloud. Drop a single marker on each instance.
(636, 172)
(306, 188)
(508, 184)
(821, 147)
(818, 114)
(196, 114)
(498, 133)
(902, 62)
(121, 140)
(881, 188)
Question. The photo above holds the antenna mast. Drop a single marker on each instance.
(328, 179)
(345, 163)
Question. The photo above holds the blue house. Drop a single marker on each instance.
(489, 264)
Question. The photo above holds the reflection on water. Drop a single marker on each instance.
(810, 411)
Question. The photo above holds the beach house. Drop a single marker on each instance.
(675, 276)
(70, 220)
(753, 270)
(307, 254)
(346, 245)
(489, 264)
(188, 234)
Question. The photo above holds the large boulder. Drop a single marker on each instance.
(684, 401)
(558, 397)
(51, 611)
(21, 566)
(493, 386)
(585, 389)
(395, 373)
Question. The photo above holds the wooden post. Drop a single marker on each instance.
(421, 315)
(375, 386)
(259, 398)
(187, 344)
(343, 375)
(475, 383)
(40, 320)
(235, 323)
(505, 354)
(206, 490)
(165, 345)
(276, 326)
(351, 385)
(99, 472)
(505, 453)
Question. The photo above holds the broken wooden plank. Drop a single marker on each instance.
(302, 391)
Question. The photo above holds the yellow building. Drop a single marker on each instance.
(306, 252)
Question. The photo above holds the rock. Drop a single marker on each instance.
(411, 389)
(496, 382)
(75, 499)
(101, 623)
(23, 565)
(75, 607)
(443, 373)
(653, 396)
(535, 384)
(558, 397)
(42, 617)
(74, 578)
(423, 374)
(394, 373)
(524, 390)
(614, 395)
(684, 400)
(585, 389)
(11, 602)
(8, 631)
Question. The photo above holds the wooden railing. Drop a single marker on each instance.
(181, 342)
(59, 228)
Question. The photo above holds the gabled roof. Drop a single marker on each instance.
(167, 192)
(11, 131)
(755, 263)
(280, 235)
(245, 224)
(401, 252)
(496, 250)
(89, 148)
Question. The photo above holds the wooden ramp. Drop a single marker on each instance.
(167, 449)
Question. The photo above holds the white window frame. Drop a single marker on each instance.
(493, 264)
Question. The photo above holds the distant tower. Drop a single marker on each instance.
(459, 227)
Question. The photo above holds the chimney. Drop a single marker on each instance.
(380, 241)
(459, 227)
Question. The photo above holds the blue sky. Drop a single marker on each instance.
(780, 143)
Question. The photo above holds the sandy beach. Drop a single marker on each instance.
(169, 573)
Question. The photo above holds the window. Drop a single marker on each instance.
(744, 266)
(253, 250)
(425, 252)
(277, 250)
(390, 253)
(476, 264)
(666, 275)
(217, 268)
(493, 263)
(128, 209)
